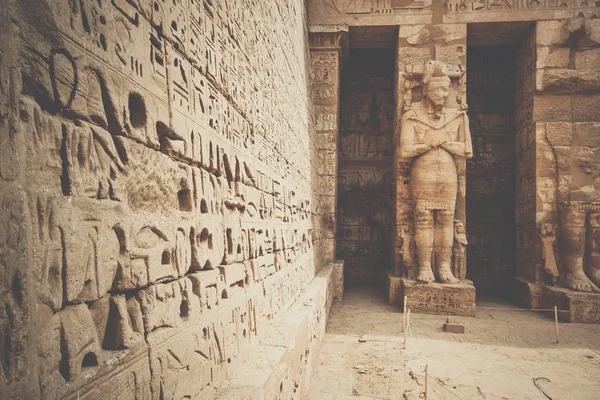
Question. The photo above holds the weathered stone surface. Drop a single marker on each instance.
(159, 203)
(294, 341)
(559, 133)
(587, 59)
(550, 33)
(394, 289)
(554, 57)
(552, 108)
(338, 280)
(572, 306)
(586, 108)
(436, 298)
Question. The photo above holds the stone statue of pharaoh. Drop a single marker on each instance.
(433, 136)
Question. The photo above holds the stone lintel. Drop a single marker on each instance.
(327, 28)
(580, 306)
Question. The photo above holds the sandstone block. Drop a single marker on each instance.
(587, 58)
(559, 133)
(454, 328)
(587, 133)
(586, 108)
(443, 299)
(550, 32)
(552, 108)
(553, 57)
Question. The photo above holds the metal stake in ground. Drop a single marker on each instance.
(404, 317)
(556, 320)
(407, 328)
(426, 376)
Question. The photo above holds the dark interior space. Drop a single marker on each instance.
(490, 197)
(365, 185)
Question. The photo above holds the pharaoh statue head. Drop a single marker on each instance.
(436, 83)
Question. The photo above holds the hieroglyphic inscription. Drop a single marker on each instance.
(365, 179)
(525, 218)
(490, 192)
(165, 193)
(514, 5)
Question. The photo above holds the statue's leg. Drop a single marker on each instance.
(594, 248)
(444, 238)
(572, 225)
(424, 243)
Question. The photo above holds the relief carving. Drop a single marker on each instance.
(578, 202)
(547, 234)
(168, 216)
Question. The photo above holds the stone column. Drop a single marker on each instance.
(428, 53)
(566, 111)
(325, 53)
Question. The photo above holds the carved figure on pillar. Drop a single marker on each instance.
(459, 263)
(434, 137)
(547, 234)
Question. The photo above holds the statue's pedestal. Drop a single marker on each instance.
(581, 307)
(432, 298)
(394, 289)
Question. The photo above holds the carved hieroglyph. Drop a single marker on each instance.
(156, 204)
(434, 137)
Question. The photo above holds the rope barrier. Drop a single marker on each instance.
(407, 329)
(500, 308)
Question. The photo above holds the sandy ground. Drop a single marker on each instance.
(502, 355)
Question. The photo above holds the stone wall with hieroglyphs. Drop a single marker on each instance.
(525, 167)
(490, 173)
(157, 196)
(365, 183)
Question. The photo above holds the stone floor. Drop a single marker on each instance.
(504, 354)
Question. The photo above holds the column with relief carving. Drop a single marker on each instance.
(433, 141)
(325, 53)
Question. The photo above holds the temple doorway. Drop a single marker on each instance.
(366, 177)
(494, 73)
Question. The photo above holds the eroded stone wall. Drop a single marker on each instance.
(491, 174)
(157, 195)
(567, 113)
(525, 148)
(366, 184)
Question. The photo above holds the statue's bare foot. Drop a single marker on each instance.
(594, 275)
(446, 276)
(425, 275)
(579, 282)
